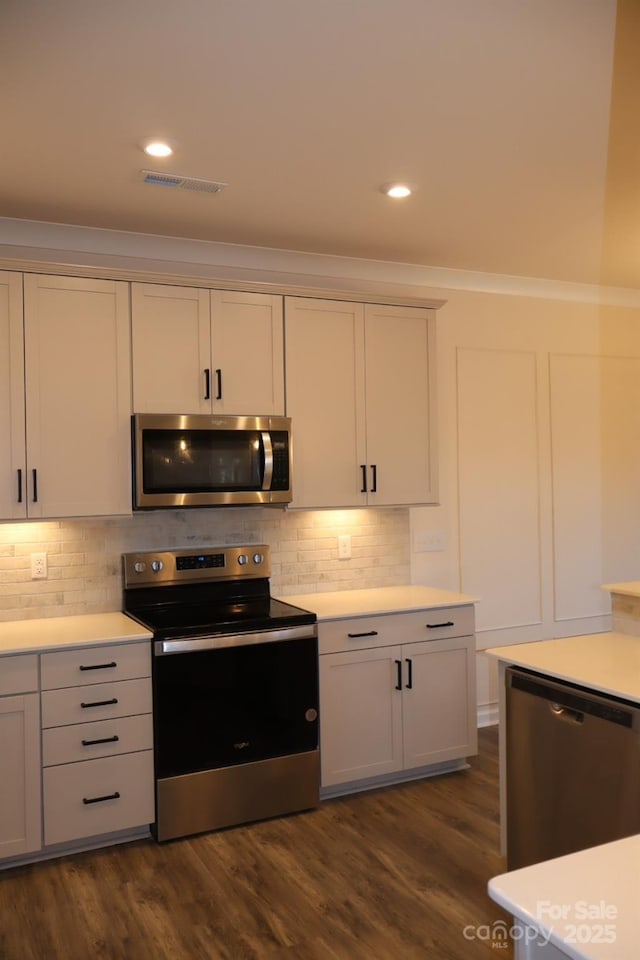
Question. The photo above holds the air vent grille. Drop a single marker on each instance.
(195, 184)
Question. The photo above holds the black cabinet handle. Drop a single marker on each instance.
(398, 664)
(368, 633)
(363, 467)
(34, 474)
(207, 384)
(218, 383)
(98, 666)
(436, 626)
(109, 796)
(374, 475)
(19, 485)
(99, 703)
(91, 743)
(409, 684)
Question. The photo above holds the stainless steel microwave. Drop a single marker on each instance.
(206, 461)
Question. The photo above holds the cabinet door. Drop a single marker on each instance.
(324, 347)
(360, 715)
(438, 701)
(77, 396)
(400, 399)
(12, 442)
(171, 349)
(247, 354)
(20, 803)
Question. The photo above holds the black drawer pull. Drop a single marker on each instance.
(99, 703)
(109, 796)
(99, 666)
(398, 664)
(436, 626)
(91, 743)
(369, 633)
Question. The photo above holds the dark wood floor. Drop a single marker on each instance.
(393, 874)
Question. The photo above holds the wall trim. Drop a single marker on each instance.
(57, 247)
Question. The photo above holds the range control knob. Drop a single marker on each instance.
(243, 559)
(258, 557)
(157, 565)
(139, 566)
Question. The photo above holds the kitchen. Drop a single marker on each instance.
(513, 529)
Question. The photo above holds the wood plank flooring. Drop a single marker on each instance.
(392, 874)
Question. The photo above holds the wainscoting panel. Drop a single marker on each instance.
(498, 486)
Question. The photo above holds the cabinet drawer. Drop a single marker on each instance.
(18, 674)
(70, 668)
(88, 741)
(416, 626)
(102, 701)
(67, 815)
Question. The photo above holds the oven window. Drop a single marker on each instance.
(215, 708)
(202, 461)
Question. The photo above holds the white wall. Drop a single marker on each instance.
(540, 464)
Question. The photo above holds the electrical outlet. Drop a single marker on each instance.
(39, 566)
(344, 547)
(425, 541)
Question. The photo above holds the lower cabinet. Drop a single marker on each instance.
(20, 801)
(97, 741)
(392, 702)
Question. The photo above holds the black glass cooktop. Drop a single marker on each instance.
(173, 620)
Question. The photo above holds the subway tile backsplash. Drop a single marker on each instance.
(84, 566)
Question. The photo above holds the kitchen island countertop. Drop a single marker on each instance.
(60, 633)
(606, 662)
(378, 600)
(586, 904)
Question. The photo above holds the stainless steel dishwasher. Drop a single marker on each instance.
(573, 768)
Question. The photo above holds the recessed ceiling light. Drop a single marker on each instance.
(396, 190)
(158, 148)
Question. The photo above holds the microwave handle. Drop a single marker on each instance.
(267, 446)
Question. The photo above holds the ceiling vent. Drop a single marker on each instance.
(195, 184)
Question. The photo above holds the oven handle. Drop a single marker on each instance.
(162, 648)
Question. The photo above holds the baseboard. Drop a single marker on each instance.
(487, 714)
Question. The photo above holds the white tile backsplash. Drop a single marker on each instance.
(84, 556)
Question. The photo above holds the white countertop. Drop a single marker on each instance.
(630, 589)
(35, 636)
(363, 603)
(598, 890)
(608, 662)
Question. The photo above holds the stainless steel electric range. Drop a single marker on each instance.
(235, 688)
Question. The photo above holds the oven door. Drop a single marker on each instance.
(235, 704)
(236, 731)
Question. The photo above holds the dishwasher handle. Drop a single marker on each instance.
(566, 713)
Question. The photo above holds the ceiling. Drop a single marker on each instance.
(512, 120)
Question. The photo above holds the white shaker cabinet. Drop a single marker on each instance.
(360, 388)
(392, 701)
(12, 436)
(20, 802)
(209, 352)
(68, 377)
(97, 736)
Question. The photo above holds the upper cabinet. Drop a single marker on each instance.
(72, 392)
(360, 388)
(12, 438)
(201, 351)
